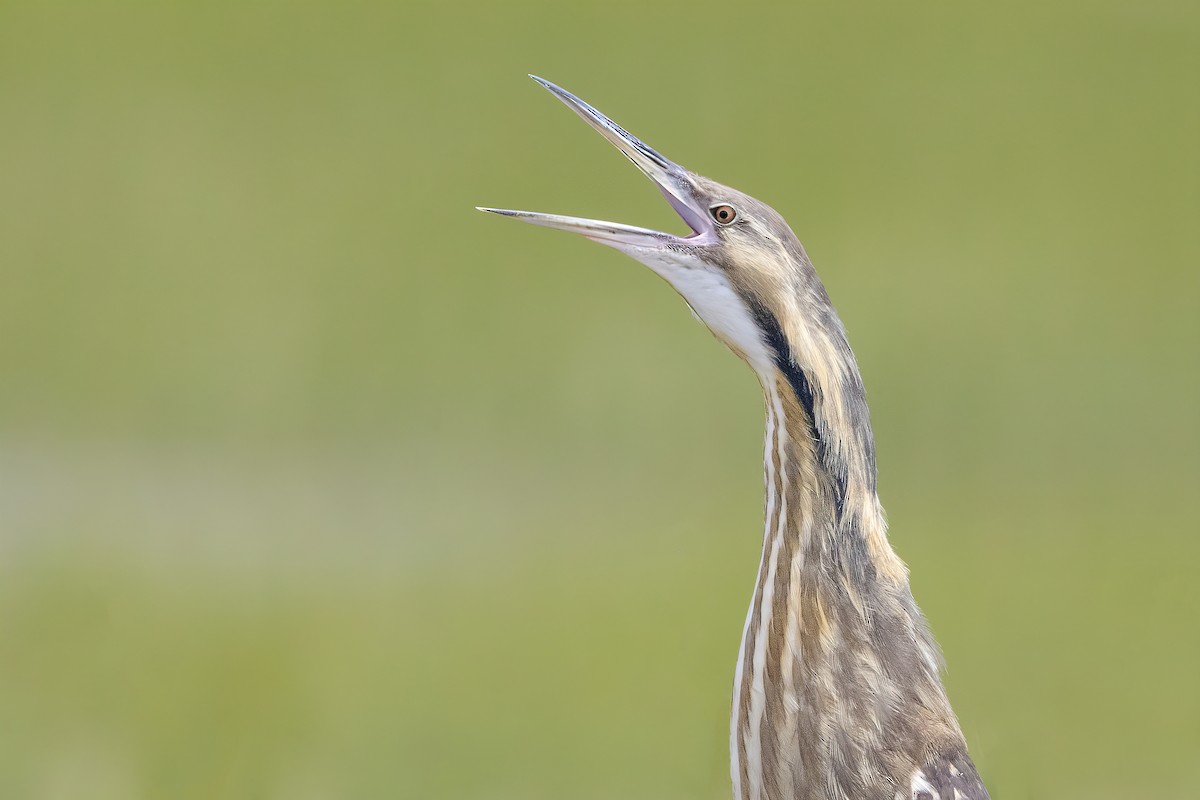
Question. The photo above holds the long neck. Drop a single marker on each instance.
(836, 667)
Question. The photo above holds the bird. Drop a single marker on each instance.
(837, 689)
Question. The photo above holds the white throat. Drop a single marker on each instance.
(714, 301)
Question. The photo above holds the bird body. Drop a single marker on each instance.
(837, 690)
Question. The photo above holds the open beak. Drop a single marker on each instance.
(672, 180)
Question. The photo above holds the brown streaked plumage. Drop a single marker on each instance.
(837, 692)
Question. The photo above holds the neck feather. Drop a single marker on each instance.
(837, 665)
(824, 448)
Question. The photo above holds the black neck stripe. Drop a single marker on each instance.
(782, 354)
(797, 378)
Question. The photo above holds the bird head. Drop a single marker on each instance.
(740, 268)
(746, 276)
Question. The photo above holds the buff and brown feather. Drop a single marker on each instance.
(838, 694)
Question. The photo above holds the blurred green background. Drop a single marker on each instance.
(316, 483)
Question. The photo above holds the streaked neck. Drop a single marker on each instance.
(833, 643)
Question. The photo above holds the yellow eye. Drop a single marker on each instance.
(723, 214)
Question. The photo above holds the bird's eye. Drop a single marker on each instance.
(724, 214)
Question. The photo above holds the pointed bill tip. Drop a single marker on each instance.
(611, 233)
(527, 216)
(547, 84)
(577, 104)
(647, 159)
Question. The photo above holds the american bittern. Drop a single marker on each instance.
(837, 693)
